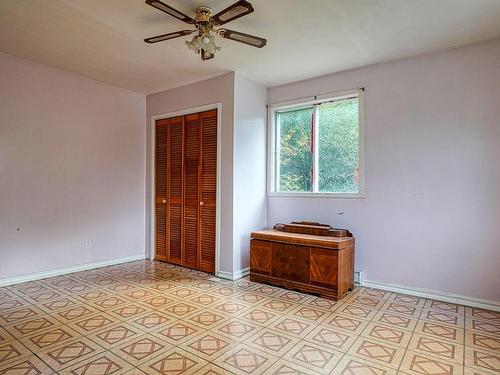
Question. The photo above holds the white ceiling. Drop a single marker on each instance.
(103, 39)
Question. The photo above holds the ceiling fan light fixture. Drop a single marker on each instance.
(204, 42)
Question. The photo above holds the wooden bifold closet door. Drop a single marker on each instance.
(185, 190)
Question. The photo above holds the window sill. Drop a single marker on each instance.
(319, 195)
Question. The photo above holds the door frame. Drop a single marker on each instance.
(151, 193)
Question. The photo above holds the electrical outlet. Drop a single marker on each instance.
(88, 244)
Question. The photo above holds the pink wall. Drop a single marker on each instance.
(215, 90)
(249, 173)
(431, 215)
(72, 167)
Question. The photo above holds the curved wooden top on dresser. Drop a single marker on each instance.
(334, 243)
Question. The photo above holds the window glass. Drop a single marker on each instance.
(338, 146)
(294, 157)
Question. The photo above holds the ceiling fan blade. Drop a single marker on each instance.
(161, 38)
(238, 9)
(169, 10)
(251, 40)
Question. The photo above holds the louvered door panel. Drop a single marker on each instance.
(161, 140)
(191, 190)
(161, 232)
(208, 190)
(186, 186)
(175, 191)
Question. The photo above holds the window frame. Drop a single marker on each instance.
(273, 149)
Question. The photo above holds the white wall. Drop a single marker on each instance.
(249, 175)
(72, 168)
(431, 216)
(214, 90)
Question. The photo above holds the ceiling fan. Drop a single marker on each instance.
(208, 25)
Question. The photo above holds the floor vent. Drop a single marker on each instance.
(358, 277)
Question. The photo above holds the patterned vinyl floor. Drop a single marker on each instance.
(154, 318)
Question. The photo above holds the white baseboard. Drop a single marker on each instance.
(419, 292)
(234, 275)
(65, 270)
(241, 273)
(225, 275)
(433, 294)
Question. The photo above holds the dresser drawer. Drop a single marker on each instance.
(260, 257)
(290, 262)
(324, 267)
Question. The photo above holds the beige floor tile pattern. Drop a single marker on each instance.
(416, 363)
(154, 318)
(448, 351)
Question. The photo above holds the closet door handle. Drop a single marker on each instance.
(164, 201)
(201, 203)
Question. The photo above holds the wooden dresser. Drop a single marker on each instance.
(318, 264)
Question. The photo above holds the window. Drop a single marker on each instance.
(316, 147)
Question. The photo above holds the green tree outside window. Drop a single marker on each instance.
(337, 148)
